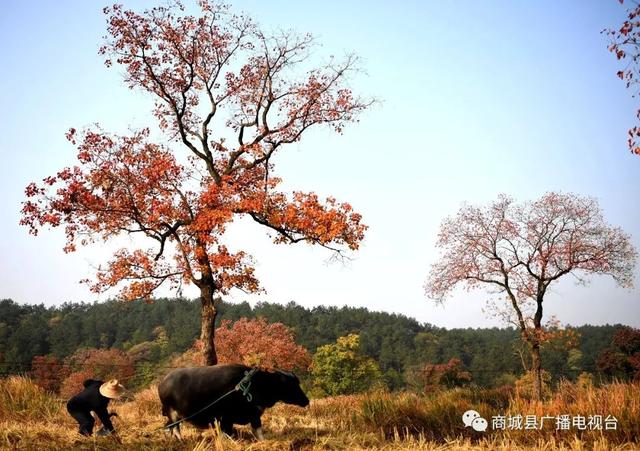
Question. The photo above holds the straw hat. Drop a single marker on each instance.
(112, 389)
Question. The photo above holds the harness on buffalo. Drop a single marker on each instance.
(243, 386)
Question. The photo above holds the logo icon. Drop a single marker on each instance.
(473, 419)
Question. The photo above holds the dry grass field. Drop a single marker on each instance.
(33, 419)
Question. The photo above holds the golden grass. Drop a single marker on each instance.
(20, 399)
(438, 416)
(31, 419)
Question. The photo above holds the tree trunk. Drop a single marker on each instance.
(536, 368)
(536, 360)
(208, 324)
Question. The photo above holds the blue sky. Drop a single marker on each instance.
(477, 99)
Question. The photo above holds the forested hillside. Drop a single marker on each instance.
(399, 344)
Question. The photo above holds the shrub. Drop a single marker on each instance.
(100, 364)
(525, 385)
(255, 342)
(47, 372)
(444, 375)
(252, 342)
(341, 368)
(622, 360)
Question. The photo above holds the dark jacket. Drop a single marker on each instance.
(89, 400)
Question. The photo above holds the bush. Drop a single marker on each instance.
(255, 342)
(525, 385)
(341, 368)
(436, 376)
(251, 342)
(72, 384)
(103, 364)
(48, 372)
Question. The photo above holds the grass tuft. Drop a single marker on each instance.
(21, 398)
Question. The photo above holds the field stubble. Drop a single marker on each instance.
(33, 419)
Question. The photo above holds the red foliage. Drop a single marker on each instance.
(444, 375)
(257, 342)
(622, 360)
(127, 184)
(72, 385)
(627, 339)
(48, 372)
(218, 67)
(103, 364)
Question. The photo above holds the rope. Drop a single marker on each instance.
(243, 386)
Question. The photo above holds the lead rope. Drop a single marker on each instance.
(243, 386)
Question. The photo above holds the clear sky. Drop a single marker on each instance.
(478, 98)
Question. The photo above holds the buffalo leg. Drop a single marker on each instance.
(227, 427)
(256, 427)
(175, 430)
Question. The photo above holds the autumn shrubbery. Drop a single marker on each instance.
(48, 372)
(255, 342)
(66, 377)
(439, 376)
(622, 359)
(101, 364)
(252, 342)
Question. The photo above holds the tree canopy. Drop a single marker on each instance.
(518, 251)
(153, 334)
(228, 98)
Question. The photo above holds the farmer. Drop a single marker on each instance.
(95, 398)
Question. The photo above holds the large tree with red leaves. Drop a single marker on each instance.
(228, 98)
(520, 250)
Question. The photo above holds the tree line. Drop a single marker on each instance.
(401, 346)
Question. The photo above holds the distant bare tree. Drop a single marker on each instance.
(520, 250)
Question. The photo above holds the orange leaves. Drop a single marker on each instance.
(218, 64)
(225, 62)
(435, 376)
(140, 270)
(255, 342)
(305, 218)
(233, 271)
(173, 56)
(120, 184)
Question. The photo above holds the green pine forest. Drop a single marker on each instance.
(398, 344)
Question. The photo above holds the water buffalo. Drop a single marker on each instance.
(185, 391)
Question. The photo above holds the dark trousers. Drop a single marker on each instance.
(84, 418)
